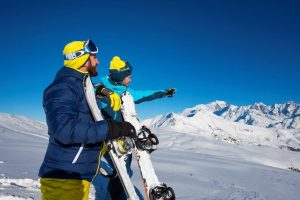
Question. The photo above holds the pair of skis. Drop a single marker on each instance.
(119, 149)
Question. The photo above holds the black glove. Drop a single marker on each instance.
(103, 91)
(119, 129)
(170, 92)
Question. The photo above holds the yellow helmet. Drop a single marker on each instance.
(74, 62)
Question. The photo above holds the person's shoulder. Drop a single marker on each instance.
(103, 79)
(72, 80)
(66, 84)
(67, 81)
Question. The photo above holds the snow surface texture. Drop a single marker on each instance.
(193, 157)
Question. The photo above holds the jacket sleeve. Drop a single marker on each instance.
(146, 95)
(61, 105)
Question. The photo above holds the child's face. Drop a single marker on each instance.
(126, 81)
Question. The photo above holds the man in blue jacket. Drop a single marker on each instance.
(118, 82)
(75, 138)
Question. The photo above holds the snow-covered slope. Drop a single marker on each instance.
(198, 167)
(21, 124)
(23, 143)
(219, 119)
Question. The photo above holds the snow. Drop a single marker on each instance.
(198, 165)
(205, 120)
(13, 198)
(22, 124)
(19, 188)
(278, 115)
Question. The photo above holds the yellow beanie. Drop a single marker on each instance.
(116, 63)
(77, 62)
(119, 69)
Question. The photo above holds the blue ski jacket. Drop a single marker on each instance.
(138, 97)
(108, 113)
(70, 123)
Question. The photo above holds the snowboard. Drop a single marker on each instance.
(117, 155)
(144, 144)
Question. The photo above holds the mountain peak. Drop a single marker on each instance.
(259, 104)
(259, 114)
(217, 105)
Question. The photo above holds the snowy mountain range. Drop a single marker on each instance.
(285, 116)
(189, 158)
(258, 124)
(277, 125)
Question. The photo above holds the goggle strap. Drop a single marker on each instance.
(72, 56)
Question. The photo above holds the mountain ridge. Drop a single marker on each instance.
(256, 124)
(284, 116)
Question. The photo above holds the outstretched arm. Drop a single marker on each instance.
(149, 95)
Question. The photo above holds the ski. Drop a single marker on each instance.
(113, 146)
(145, 143)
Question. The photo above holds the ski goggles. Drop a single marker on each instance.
(88, 48)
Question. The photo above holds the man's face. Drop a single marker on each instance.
(92, 65)
(126, 81)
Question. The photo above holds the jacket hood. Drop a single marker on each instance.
(67, 72)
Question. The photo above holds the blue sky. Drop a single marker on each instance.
(237, 51)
